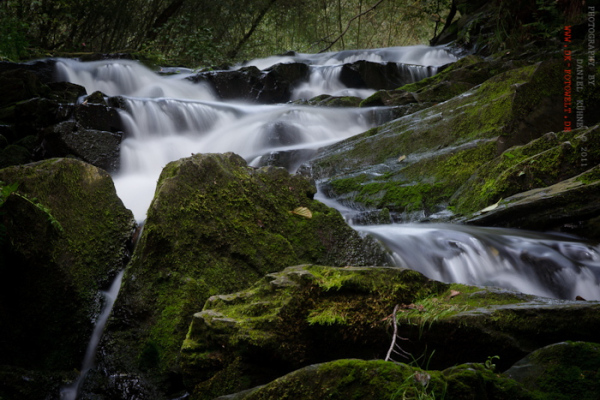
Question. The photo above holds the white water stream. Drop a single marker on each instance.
(70, 392)
(169, 118)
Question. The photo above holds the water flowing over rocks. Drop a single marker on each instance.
(226, 289)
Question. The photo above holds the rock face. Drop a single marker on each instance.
(567, 370)
(251, 84)
(311, 314)
(41, 119)
(301, 316)
(373, 380)
(464, 154)
(215, 226)
(65, 235)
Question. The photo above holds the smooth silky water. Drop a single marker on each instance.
(169, 117)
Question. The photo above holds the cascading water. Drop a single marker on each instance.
(70, 392)
(169, 117)
(544, 264)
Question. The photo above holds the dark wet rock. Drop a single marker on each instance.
(34, 115)
(97, 147)
(288, 159)
(251, 84)
(216, 226)
(65, 235)
(366, 74)
(98, 116)
(45, 118)
(568, 370)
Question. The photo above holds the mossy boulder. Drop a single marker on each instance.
(541, 163)
(216, 226)
(311, 314)
(376, 379)
(65, 234)
(419, 161)
(562, 371)
(290, 319)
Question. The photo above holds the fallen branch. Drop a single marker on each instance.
(401, 352)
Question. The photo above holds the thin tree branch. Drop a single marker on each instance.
(233, 53)
(348, 26)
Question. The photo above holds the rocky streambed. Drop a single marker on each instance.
(239, 284)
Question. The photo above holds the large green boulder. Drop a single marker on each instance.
(312, 314)
(300, 316)
(418, 162)
(216, 226)
(64, 234)
(562, 371)
(377, 379)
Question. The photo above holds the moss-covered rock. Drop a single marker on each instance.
(310, 314)
(303, 315)
(419, 161)
(541, 163)
(65, 236)
(562, 371)
(216, 226)
(375, 380)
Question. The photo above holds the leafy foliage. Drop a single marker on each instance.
(207, 32)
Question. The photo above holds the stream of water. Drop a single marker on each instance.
(70, 392)
(170, 117)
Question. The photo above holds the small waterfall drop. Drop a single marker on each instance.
(70, 392)
(169, 117)
(544, 264)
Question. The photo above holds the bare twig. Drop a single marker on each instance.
(348, 26)
(395, 347)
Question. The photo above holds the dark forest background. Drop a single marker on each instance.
(208, 32)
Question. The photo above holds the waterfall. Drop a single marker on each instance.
(70, 392)
(544, 264)
(169, 117)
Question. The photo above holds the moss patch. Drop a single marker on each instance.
(217, 226)
(69, 234)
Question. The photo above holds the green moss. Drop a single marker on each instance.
(359, 379)
(70, 233)
(281, 315)
(540, 163)
(217, 226)
(568, 370)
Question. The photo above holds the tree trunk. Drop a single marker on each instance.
(233, 53)
(163, 18)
